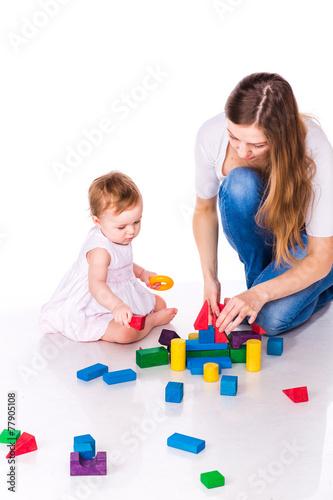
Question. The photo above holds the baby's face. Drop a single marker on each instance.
(121, 228)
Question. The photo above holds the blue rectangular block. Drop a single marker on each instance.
(186, 443)
(84, 439)
(197, 363)
(207, 336)
(85, 450)
(174, 392)
(275, 346)
(92, 372)
(195, 345)
(229, 384)
(119, 376)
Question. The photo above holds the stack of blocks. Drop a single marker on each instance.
(84, 461)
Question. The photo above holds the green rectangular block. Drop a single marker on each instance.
(238, 355)
(206, 354)
(9, 436)
(154, 356)
(212, 479)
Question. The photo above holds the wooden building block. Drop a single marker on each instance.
(154, 356)
(240, 337)
(297, 394)
(238, 355)
(253, 355)
(205, 354)
(166, 337)
(174, 392)
(85, 450)
(201, 323)
(275, 346)
(178, 354)
(229, 385)
(138, 322)
(119, 376)
(210, 372)
(212, 479)
(9, 436)
(193, 335)
(85, 439)
(195, 365)
(207, 336)
(186, 443)
(25, 444)
(257, 329)
(92, 372)
(195, 345)
(94, 467)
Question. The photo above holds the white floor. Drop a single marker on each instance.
(266, 446)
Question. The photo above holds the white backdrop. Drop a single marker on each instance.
(146, 74)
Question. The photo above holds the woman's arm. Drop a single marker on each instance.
(205, 230)
(99, 260)
(313, 267)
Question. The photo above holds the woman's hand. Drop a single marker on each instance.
(212, 292)
(122, 314)
(239, 307)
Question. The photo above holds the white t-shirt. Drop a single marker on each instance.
(210, 150)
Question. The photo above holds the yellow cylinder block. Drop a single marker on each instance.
(253, 355)
(211, 372)
(178, 354)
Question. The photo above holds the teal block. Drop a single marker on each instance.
(85, 438)
(119, 376)
(92, 372)
(195, 345)
(229, 385)
(275, 346)
(186, 443)
(207, 336)
(174, 392)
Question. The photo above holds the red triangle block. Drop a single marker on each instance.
(221, 337)
(201, 323)
(138, 322)
(297, 394)
(25, 443)
(257, 329)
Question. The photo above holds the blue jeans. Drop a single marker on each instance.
(240, 195)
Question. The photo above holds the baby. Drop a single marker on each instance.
(99, 294)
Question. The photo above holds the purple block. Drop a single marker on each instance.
(166, 337)
(238, 338)
(94, 467)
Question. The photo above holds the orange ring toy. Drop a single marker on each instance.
(167, 282)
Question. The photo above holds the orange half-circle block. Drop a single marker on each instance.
(297, 394)
(25, 443)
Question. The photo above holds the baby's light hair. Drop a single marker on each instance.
(113, 190)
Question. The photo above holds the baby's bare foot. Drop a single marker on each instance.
(163, 316)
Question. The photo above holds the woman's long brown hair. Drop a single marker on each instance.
(267, 101)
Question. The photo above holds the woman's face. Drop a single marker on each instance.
(248, 141)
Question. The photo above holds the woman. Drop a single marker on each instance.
(270, 169)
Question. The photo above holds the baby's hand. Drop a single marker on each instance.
(145, 278)
(122, 314)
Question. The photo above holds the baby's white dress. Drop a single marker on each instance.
(73, 311)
